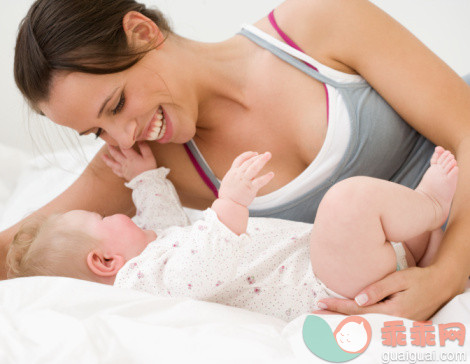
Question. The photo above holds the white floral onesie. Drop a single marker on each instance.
(267, 270)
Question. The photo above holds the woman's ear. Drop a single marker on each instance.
(104, 266)
(140, 30)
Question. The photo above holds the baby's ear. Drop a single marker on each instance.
(104, 266)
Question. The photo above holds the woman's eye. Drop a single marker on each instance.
(120, 105)
(98, 133)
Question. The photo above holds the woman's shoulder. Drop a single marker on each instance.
(310, 24)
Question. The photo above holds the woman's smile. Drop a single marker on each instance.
(157, 128)
(167, 129)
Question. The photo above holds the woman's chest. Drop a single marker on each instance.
(286, 115)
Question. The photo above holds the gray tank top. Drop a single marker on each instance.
(381, 145)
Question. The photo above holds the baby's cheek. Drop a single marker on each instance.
(140, 241)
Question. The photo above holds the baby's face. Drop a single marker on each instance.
(117, 233)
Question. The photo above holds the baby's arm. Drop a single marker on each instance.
(157, 203)
(155, 198)
(238, 189)
(198, 260)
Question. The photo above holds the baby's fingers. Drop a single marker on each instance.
(263, 180)
(110, 162)
(118, 173)
(145, 150)
(129, 154)
(115, 166)
(256, 165)
(116, 154)
(242, 158)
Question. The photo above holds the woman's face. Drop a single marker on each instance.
(122, 108)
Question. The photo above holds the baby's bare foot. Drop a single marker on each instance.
(439, 183)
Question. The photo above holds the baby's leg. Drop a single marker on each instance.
(358, 218)
(434, 240)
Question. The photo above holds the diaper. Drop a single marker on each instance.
(401, 255)
(322, 291)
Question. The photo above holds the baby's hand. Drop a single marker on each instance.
(127, 163)
(239, 183)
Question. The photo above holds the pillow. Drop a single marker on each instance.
(42, 178)
(12, 161)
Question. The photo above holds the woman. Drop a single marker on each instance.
(118, 71)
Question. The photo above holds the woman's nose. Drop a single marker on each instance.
(125, 135)
(125, 141)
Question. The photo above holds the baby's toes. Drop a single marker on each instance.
(437, 153)
(442, 164)
(442, 158)
(449, 163)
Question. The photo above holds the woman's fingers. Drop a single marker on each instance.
(324, 312)
(350, 307)
(414, 294)
(375, 292)
(368, 300)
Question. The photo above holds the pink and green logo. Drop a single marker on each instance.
(350, 339)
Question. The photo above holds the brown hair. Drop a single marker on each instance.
(75, 35)
(45, 247)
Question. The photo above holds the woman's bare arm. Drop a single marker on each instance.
(433, 99)
(97, 189)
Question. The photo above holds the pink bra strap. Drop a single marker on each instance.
(201, 172)
(281, 33)
(293, 45)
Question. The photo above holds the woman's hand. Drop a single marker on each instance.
(128, 163)
(414, 293)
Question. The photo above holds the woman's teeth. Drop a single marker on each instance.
(158, 128)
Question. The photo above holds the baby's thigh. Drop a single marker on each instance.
(348, 249)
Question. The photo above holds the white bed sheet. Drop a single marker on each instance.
(62, 320)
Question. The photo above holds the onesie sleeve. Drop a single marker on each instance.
(157, 203)
(195, 261)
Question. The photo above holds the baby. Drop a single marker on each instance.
(276, 267)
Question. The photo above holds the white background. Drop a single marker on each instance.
(443, 25)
